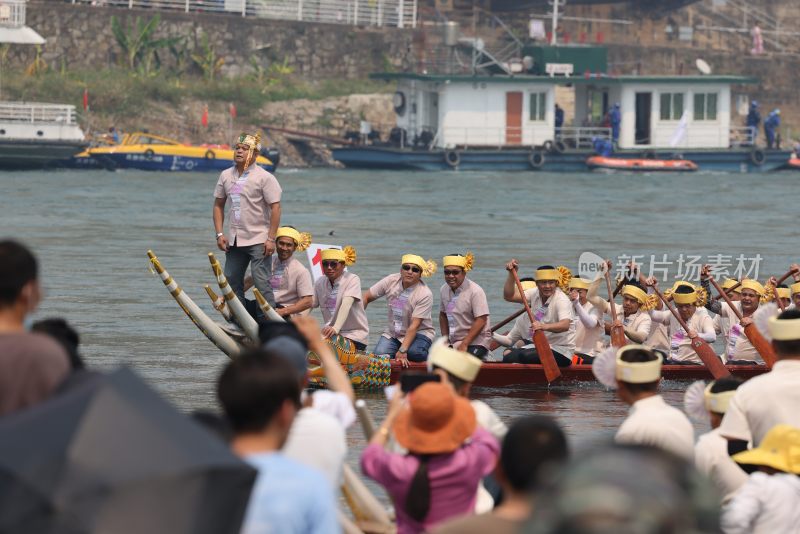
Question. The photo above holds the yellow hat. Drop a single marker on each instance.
(578, 283)
(528, 284)
(428, 267)
(346, 255)
(301, 239)
(547, 274)
(754, 285)
(783, 292)
(717, 402)
(784, 329)
(465, 262)
(795, 288)
(251, 140)
(459, 364)
(685, 298)
(780, 449)
(731, 282)
(635, 293)
(637, 372)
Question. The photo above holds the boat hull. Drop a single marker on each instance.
(640, 165)
(37, 154)
(494, 374)
(161, 162)
(512, 159)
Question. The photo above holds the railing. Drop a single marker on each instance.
(391, 13)
(36, 113)
(742, 136)
(12, 13)
(581, 136)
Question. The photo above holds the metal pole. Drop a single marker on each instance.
(556, 4)
(300, 10)
(187, 6)
(244, 8)
(400, 13)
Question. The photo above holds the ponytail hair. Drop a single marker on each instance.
(418, 498)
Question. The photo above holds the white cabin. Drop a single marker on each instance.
(658, 112)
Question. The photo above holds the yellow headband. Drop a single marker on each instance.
(795, 288)
(578, 283)
(459, 364)
(465, 262)
(729, 283)
(784, 329)
(301, 239)
(784, 292)
(635, 292)
(547, 274)
(428, 267)
(753, 285)
(717, 402)
(637, 372)
(528, 284)
(346, 255)
(685, 298)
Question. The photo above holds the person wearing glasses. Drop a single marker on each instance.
(409, 332)
(463, 308)
(338, 294)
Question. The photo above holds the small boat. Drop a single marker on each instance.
(148, 152)
(793, 163)
(494, 374)
(641, 165)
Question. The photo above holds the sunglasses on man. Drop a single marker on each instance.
(448, 272)
(330, 264)
(412, 268)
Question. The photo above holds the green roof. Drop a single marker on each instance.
(561, 80)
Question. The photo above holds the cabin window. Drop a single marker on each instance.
(538, 106)
(705, 106)
(671, 106)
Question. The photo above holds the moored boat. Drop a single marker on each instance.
(641, 165)
(148, 152)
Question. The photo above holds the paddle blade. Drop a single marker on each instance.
(551, 370)
(761, 344)
(710, 358)
(618, 336)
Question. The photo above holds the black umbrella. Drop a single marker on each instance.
(111, 456)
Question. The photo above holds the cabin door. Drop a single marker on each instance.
(644, 103)
(514, 118)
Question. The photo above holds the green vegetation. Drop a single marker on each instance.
(139, 46)
(119, 92)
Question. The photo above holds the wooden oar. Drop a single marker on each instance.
(762, 346)
(700, 347)
(617, 330)
(551, 370)
(788, 273)
(508, 319)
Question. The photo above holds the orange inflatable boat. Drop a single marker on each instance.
(643, 165)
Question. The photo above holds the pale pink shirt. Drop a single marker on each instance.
(462, 307)
(737, 346)
(329, 297)
(453, 478)
(250, 195)
(405, 304)
(558, 308)
(680, 348)
(290, 281)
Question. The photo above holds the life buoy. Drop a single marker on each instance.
(148, 154)
(758, 157)
(547, 146)
(189, 165)
(210, 154)
(452, 158)
(649, 154)
(536, 159)
(559, 147)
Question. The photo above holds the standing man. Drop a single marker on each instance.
(615, 119)
(771, 125)
(559, 120)
(253, 218)
(753, 120)
(463, 308)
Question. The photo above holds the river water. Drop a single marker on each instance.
(91, 231)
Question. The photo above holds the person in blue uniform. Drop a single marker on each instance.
(771, 126)
(559, 119)
(754, 120)
(615, 117)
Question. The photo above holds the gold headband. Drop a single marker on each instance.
(346, 255)
(428, 267)
(637, 372)
(251, 140)
(578, 283)
(635, 293)
(784, 292)
(301, 239)
(465, 262)
(685, 298)
(753, 285)
(729, 283)
(547, 274)
(784, 329)
(717, 402)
